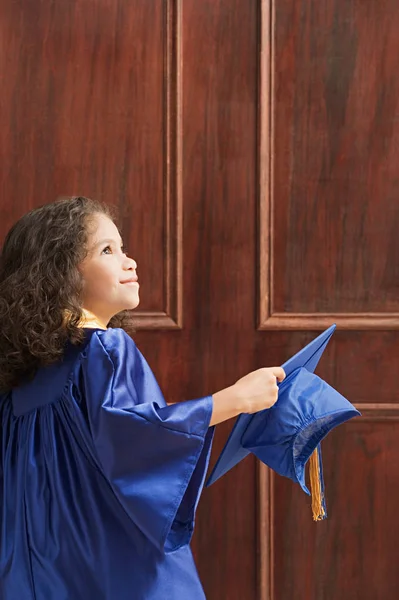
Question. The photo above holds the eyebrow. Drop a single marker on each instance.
(107, 241)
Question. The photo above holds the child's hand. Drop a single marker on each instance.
(254, 392)
(258, 390)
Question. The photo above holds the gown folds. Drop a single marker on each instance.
(100, 480)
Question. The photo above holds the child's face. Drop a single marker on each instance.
(108, 272)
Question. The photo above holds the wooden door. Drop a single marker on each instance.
(253, 147)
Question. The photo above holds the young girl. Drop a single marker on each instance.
(99, 477)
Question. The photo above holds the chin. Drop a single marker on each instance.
(134, 304)
(129, 303)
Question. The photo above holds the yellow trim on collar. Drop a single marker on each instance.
(90, 320)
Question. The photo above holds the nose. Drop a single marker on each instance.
(130, 264)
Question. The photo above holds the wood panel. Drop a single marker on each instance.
(91, 106)
(329, 150)
(219, 187)
(272, 124)
(351, 555)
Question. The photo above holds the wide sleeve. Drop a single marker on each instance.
(154, 456)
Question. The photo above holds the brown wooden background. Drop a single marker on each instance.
(254, 149)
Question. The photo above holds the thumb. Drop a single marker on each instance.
(279, 373)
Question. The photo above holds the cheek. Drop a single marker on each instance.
(100, 281)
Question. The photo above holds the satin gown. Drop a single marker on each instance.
(100, 480)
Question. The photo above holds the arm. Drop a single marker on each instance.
(254, 392)
(225, 406)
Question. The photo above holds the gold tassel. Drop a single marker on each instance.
(315, 487)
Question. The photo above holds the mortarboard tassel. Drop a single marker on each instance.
(315, 487)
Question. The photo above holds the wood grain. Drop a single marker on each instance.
(91, 106)
(328, 152)
(219, 186)
(351, 554)
(253, 150)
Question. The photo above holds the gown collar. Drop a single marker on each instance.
(91, 321)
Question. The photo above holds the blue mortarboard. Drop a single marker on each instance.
(288, 434)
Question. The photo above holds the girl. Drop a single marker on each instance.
(99, 477)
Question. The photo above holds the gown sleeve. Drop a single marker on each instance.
(154, 456)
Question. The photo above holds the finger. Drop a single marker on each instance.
(279, 373)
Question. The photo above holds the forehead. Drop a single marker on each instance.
(102, 227)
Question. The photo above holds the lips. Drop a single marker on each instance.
(132, 280)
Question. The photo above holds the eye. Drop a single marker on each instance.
(106, 250)
(124, 250)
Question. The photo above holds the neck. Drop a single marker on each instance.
(91, 321)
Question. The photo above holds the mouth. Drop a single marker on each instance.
(133, 281)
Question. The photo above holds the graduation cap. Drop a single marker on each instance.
(288, 435)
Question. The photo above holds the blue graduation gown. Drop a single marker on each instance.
(100, 480)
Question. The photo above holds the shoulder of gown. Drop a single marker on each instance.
(154, 456)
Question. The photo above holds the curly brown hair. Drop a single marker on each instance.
(41, 286)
